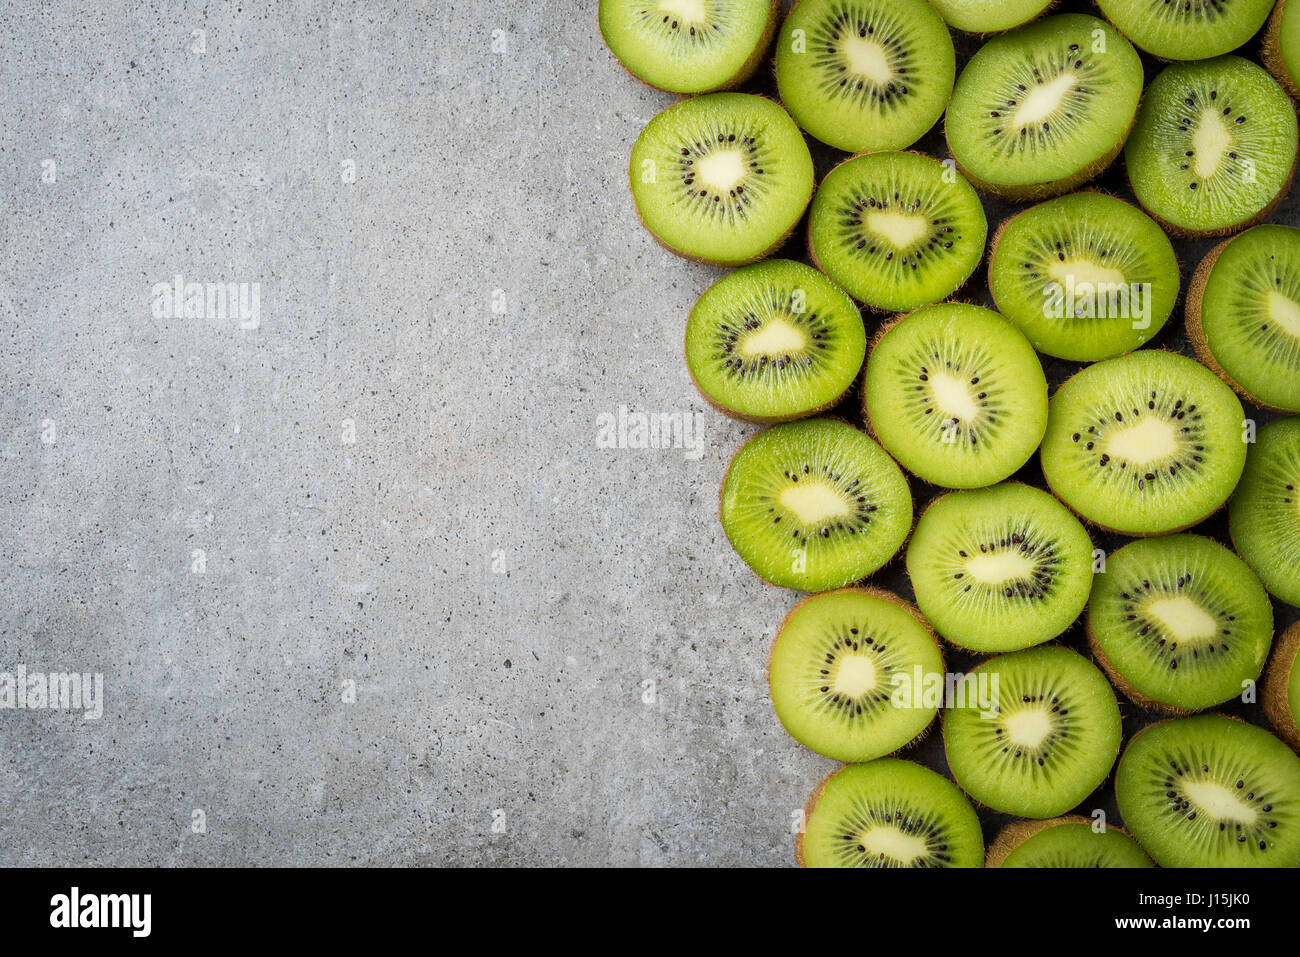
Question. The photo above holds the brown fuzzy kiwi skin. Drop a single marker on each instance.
(1120, 682)
(1277, 704)
(1196, 332)
(1017, 832)
(747, 69)
(808, 809)
(1271, 54)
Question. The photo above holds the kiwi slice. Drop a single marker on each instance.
(814, 505)
(889, 813)
(1001, 568)
(1264, 514)
(1214, 147)
(1144, 444)
(989, 16)
(897, 230)
(1065, 842)
(1049, 741)
(1179, 622)
(721, 178)
(1084, 277)
(864, 75)
(1187, 29)
(833, 673)
(1282, 687)
(1243, 315)
(1209, 791)
(1042, 109)
(956, 394)
(1282, 46)
(689, 46)
(774, 341)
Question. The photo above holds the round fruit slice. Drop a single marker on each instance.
(897, 230)
(1049, 741)
(774, 341)
(1208, 791)
(837, 668)
(1084, 277)
(1214, 147)
(689, 46)
(721, 178)
(1243, 315)
(865, 75)
(1282, 46)
(1188, 29)
(1039, 111)
(957, 395)
(1282, 687)
(814, 505)
(1144, 444)
(1065, 842)
(989, 16)
(1179, 622)
(1264, 514)
(1001, 568)
(889, 813)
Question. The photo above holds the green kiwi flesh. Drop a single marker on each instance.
(1209, 791)
(814, 504)
(957, 395)
(1001, 568)
(834, 673)
(865, 75)
(721, 178)
(889, 813)
(1282, 687)
(689, 46)
(1264, 514)
(1144, 444)
(989, 16)
(1084, 277)
(1214, 148)
(897, 230)
(1040, 110)
(1282, 46)
(1187, 29)
(1243, 315)
(774, 341)
(1049, 742)
(1070, 841)
(1180, 622)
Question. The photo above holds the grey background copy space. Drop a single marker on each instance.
(362, 581)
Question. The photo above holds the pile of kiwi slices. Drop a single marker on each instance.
(1040, 544)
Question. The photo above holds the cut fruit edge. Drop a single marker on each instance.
(1120, 682)
(1271, 53)
(1185, 232)
(1277, 678)
(1017, 832)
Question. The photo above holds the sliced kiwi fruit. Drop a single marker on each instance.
(1001, 568)
(1187, 29)
(1069, 841)
(1148, 443)
(888, 813)
(774, 341)
(1214, 148)
(865, 75)
(989, 16)
(1282, 46)
(814, 504)
(1049, 741)
(835, 673)
(689, 46)
(956, 394)
(1210, 791)
(1264, 514)
(1040, 110)
(897, 230)
(1084, 277)
(1243, 315)
(1179, 622)
(1282, 687)
(721, 178)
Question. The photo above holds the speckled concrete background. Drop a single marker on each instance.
(363, 585)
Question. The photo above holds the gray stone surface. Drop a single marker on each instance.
(392, 483)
